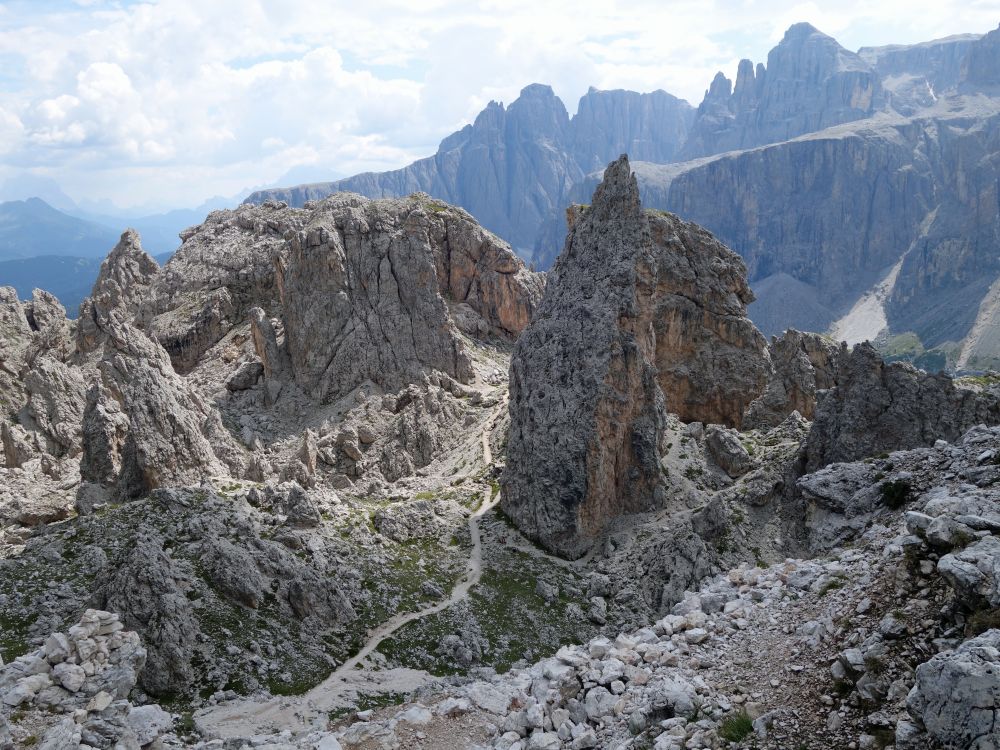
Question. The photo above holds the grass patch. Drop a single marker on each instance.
(832, 585)
(843, 688)
(979, 622)
(876, 665)
(505, 619)
(736, 727)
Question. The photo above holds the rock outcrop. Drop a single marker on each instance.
(224, 267)
(643, 313)
(878, 407)
(804, 364)
(810, 83)
(122, 285)
(365, 288)
(173, 435)
(956, 695)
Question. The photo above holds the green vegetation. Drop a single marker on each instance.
(979, 622)
(907, 347)
(895, 493)
(984, 380)
(832, 585)
(504, 620)
(736, 727)
(14, 636)
(843, 688)
(876, 665)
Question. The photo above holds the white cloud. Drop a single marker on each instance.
(172, 100)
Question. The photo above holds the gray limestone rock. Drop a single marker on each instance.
(804, 364)
(364, 287)
(148, 589)
(642, 314)
(122, 285)
(956, 696)
(173, 434)
(726, 450)
(974, 572)
(245, 376)
(224, 267)
(878, 407)
(233, 571)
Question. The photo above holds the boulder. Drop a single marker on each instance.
(727, 451)
(974, 573)
(246, 376)
(956, 695)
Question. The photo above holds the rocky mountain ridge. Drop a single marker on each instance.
(258, 461)
(867, 152)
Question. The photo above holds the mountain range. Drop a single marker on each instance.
(860, 188)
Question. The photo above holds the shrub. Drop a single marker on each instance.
(896, 493)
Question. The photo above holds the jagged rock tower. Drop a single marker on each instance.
(642, 314)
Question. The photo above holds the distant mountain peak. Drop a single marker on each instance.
(801, 30)
(541, 90)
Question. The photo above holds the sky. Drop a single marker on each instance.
(162, 104)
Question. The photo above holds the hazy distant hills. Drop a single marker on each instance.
(50, 249)
(69, 278)
(32, 227)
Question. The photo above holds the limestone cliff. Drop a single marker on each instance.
(878, 407)
(365, 289)
(122, 285)
(810, 83)
(515, 164)
(642, 314)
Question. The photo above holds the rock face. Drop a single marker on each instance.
(365, 287)
(123, 285)
(981, 66)
(637, 313)
(914, 74)
(533, 153)
(878, 407)
(804, 364)
(149, 590)
(649, 127)
(171, 430)
(224, 266)
(956, 695)
(810, 83)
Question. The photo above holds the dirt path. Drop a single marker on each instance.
(340, 689)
